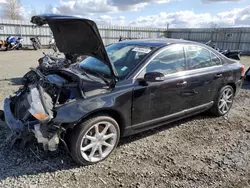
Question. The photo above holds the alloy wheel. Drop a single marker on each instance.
(98, 142)
(226, 100)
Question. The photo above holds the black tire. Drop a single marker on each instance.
(2, 115)
(215, 108)
(35, 46)
(75, 137)
(247, 74)
(248, 78)
(39, 45)
(20, 47)
(6, 48)
(54, 48)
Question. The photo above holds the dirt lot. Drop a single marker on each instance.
(196, 152)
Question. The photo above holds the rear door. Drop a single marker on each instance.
(204, 76)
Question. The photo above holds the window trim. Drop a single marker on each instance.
(211, 52)
(221, 63)
(156, 54)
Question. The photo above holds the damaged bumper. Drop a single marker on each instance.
(32, 109)
(11, 122)
(49, 143)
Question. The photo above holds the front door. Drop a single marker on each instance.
(152, 101)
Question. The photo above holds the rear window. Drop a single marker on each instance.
(215, 60)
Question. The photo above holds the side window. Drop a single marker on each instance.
(169, 61)
(198, 57)
(215, 60)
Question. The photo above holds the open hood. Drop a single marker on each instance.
(75, 35)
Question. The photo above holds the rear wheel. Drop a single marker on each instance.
(94, 140)
(7, 47)
(223, 102)
(35, 46)
(54, 48)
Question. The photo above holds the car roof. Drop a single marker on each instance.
(161, 42)
(158, 42)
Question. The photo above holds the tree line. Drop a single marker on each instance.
(13, 10)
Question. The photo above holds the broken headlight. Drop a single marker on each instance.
(36, 106)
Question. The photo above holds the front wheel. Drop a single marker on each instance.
(223, 102)
(248, 74)
(94, 140)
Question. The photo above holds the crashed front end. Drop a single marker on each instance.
(32, 108)
(43, 105)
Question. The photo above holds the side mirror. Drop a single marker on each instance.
(154, 77)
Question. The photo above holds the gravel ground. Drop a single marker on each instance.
(197, 152)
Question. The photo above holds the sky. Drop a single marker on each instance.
(148, 13)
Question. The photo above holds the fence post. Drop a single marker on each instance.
(224, 39)
(189, 33)
(212, 36)
(239, 40)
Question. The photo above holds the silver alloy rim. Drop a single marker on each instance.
(98, 142)
(226, 101)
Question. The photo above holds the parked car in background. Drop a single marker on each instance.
(123, 89)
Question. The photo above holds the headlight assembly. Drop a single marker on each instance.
(36, 106)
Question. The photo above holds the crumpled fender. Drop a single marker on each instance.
(75, 111)
(72, 112)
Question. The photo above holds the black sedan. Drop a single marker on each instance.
(120, 90)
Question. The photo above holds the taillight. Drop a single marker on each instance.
(243, 70)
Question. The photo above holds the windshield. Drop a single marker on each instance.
(125, 57)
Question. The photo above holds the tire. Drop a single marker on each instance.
(247, 74)
(35, 46)
(248, 78)
(54, 48)
(19, 48)
(2, 115)
(216, 110)
(39, 45)
(78, 143)
(6, 48)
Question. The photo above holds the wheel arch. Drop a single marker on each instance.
(233, 85)
(115, 114)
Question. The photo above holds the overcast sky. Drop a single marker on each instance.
(151, 13)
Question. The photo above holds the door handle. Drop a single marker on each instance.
(182, 84)
(218, 75)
